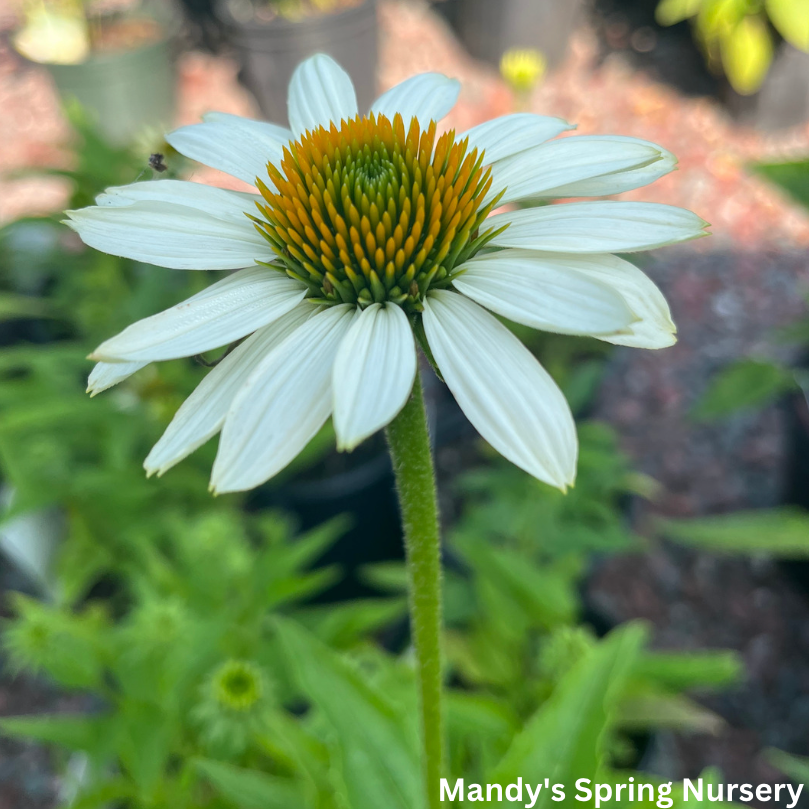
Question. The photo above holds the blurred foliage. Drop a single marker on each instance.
(777, 532)
(215, 685)
(791, 177)
(739, 36)
(794, 767)
(751, 383)
(744, 385)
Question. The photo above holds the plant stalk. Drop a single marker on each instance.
(409, 442)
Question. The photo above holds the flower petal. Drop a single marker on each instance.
(511, 134)
(320, 92)
(566, 162)
(202, 414)
(106, 374)
(216, 202)
(506, 394)
(597, 227)
(220, 314)
(607, 184)
(373, 373)
(542, 291)
(238, 146)
(282, 405)
(654, 327)
(168, 235)
(427, 97)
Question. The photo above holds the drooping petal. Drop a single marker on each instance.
(597, 227)
(511, 134)
(373, 373)
(169, 235)
(567, 162)
(543, 291)
(224, 312)
(320, 92)
(202, 414)
(106, 374)
(607, 184)
(426, 97)
(282, 405)
(216, 202)
(238, 146)
(506, 394)
(654, 327)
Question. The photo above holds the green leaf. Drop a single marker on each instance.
(782, 532)
(389, 577)
(17, 306)
(796, 767)
(643, 711)
(546, 594)
(790, 177)
(564, 741)
(84, 733)
(249, 789)
(377, 744)
(341, 625)
(669, 12)
(747, 53)
(743, 385)
(679, 671)
(791, 18)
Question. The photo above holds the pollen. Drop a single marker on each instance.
(368, 212)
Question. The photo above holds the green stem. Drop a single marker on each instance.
(409, 442)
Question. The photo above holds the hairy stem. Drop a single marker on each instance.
(409, 442)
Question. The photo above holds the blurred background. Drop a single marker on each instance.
(137, 614)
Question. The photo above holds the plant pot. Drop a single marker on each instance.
(488, 29)
(783, 99)
(124, 91)
(269, 52)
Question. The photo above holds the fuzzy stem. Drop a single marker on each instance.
(409, 442)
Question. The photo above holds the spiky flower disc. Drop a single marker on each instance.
(370, 212)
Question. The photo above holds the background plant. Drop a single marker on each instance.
(739, 37)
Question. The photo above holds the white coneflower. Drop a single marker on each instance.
(366, 231)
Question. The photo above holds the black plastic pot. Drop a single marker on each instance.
(488, 28)
(126, 91)
(268, 52)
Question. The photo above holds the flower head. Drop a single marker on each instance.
(522, 68)
(367, 230)
(233, 705)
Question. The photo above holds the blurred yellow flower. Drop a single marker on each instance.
(522, 69)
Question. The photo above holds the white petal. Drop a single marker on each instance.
(106, 374)
(320, 93)
(220, 314)
(238, 146)
(542, 291)
(215, 202)
(175, 236)
(567, 161)
(506, 394)
(597, 227)
(511, 134)
(282, 405)
(203, 412)
(607, 184)
(654, 327)
(373, 373)
(427, 97)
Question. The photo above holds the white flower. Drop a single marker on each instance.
(368, 230)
